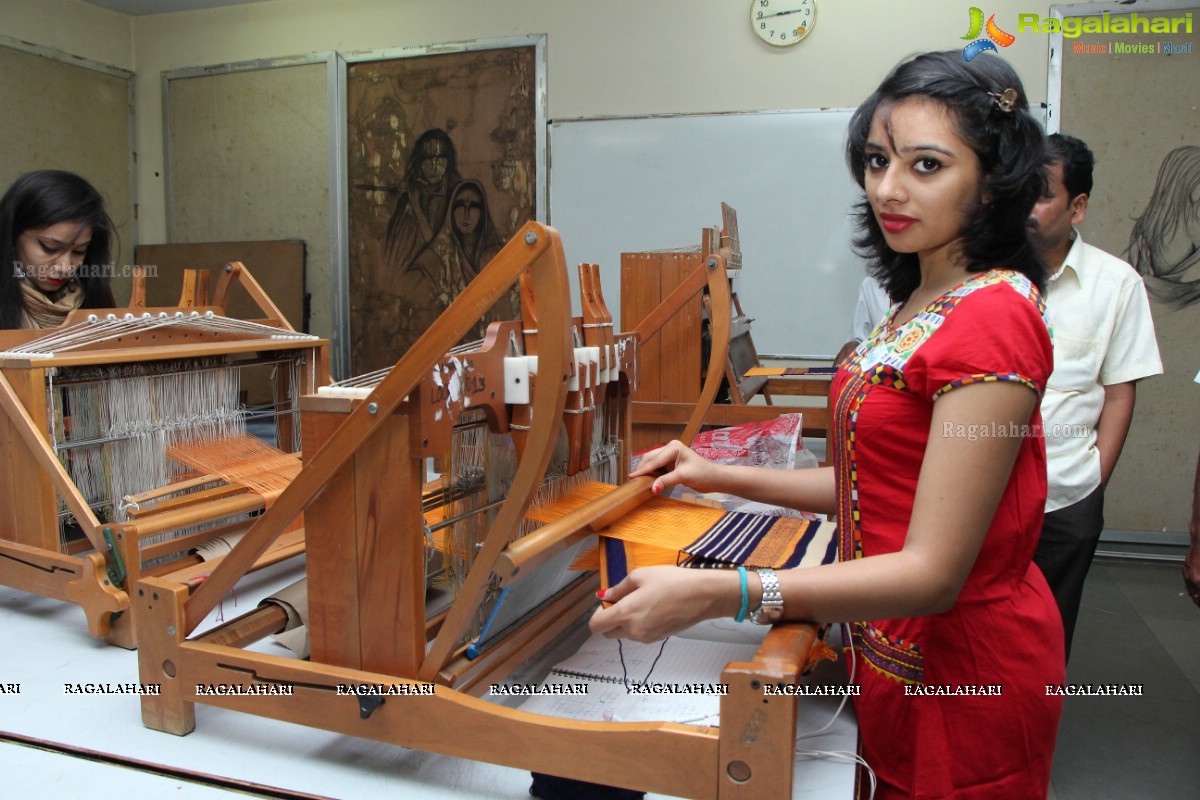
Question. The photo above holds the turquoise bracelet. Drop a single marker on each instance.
(741, 615)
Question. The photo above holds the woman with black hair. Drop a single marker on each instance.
(420, 212)
(939, 471)
(55, 249)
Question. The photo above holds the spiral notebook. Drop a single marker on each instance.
(678, 680)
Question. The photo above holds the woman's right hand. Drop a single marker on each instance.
(678, 464)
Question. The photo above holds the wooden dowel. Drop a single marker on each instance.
(266, 620)
(168, 567)
(194, 515)
(555, 537)
(171, 488)
(185, 500)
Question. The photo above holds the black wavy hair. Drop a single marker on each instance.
(1011, 149)
(46, 197)
(1077, 163)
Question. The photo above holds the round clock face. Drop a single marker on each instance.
(782, 22)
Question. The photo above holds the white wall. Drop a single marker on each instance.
(71, 26)
(604, 57)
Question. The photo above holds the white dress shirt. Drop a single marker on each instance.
(872, 304)
(1103, 335)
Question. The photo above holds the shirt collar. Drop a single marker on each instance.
(1071, 262)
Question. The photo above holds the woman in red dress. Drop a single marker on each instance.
(939, 475)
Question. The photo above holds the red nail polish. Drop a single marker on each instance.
(600, 594)
(656, 489)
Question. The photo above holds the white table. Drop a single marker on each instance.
(44, 644)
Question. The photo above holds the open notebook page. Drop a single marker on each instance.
(675, 681)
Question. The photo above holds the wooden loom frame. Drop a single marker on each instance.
(662, 410)
(751, 754)
(31, 556)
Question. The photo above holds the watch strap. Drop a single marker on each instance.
(771, 609)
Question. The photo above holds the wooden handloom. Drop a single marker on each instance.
(89, 547)
(361, 492)
(665, 400)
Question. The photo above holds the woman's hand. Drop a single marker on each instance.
(654, 602)
(679, 465)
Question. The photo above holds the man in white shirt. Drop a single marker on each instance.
(873, 303)
(1103, 344)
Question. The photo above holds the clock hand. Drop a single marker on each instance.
(781, 13)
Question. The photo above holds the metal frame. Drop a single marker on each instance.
(536, 40)
(336, 228)
(336, 71)
(339, 214)
(106, 69)
(1054, 47)
(341, 287)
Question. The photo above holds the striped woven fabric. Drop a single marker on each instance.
(754, 540)
(673, 532)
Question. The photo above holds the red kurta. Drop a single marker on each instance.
(1003, 636)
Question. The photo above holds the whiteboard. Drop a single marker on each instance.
(653, 183)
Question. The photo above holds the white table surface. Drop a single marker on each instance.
(44, 644)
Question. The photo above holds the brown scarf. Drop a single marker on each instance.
(49, 311)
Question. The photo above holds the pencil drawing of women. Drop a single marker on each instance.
(1165, 243)
(421, 210)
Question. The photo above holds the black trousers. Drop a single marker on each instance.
(1065, 551)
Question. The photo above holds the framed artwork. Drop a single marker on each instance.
(442, 170)
(1144, 208)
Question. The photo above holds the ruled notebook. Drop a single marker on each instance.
(683, 686)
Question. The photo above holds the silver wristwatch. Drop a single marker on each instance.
(771, 610)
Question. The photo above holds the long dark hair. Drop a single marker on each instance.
(1010, 146)
(46, 197)
(1170, 203)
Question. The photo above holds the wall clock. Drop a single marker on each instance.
(782, 23)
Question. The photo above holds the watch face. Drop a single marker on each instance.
(782, 22)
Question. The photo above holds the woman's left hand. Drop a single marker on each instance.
(655, 602)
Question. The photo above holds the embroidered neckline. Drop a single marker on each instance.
(890, 320)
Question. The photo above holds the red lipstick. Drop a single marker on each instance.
(895, 223)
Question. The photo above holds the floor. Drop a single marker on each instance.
(1136, 626)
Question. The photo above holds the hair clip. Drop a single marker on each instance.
(1006, 101)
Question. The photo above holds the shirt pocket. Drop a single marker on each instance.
(1076, 363)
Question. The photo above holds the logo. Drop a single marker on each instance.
(1073, 27)
(995, 36)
